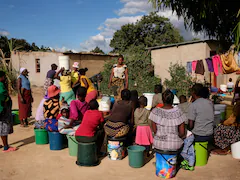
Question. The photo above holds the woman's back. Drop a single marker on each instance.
(167, 121)
(65, 83)
(90, 84)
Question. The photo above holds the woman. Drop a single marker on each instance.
(50, 77)
(118, 122)
(6, 122)
(25, 98)
(118, 78)
(228, 132)
(51, 108)
(67, 93)
(75, 77)
(168, 124)
(87, 83)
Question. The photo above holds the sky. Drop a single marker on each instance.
(77, 25)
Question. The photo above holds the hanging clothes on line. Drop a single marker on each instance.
(189, 67)
(210, 64)
(217, 61)
(200, 67)
(194, 65)
(229, 63)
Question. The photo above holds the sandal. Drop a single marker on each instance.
(10, 149)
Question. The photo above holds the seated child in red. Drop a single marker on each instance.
(91, 120)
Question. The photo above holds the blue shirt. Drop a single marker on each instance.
(25, 82)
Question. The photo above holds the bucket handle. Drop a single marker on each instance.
(203, 147)
(70, 137)
(167, 160)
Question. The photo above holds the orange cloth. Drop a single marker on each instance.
(229, 63)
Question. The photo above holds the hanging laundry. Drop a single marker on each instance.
(217, 61)
(229, 63)
(189, 67)
(194, 65)
(210, 64)
(200, 67)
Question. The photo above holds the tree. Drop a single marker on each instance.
(151, 30)
(97, 50)
(216, 18)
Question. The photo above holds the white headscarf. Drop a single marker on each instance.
(22, 69)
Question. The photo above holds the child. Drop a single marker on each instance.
(230, 86)
(157, 98)
(188, 150)
(143, 135)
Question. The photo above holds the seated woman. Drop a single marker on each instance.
(91, 129)
(168, 125)
(51, 109)
(65, 85)
(228, 132)
(92, 93)
(39, 124)
(118, 122)
(64, 121)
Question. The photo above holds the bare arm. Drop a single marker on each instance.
(110, 80)
(154, 127)
(85, 83)
(190, 124)
(19, 87)
(181, 130)
(126, 78)
(56, 76)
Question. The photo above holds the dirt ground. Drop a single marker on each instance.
(37, 162)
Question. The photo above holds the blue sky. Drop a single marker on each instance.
(79, 25)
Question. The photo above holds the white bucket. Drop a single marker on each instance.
(220, 107)
(235, 148)
(105, 104)
(175, 100)
(217, 118)
(63, 62)
(149, 97)
(223, 87)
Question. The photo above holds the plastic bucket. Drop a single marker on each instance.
(41, 136)
(166, 165)
(87, 154)
(16, 117)
(55, 141)
(72, 146)
(235, 148)
(116, 150)
(149, 97)
(222, 109)
(136, 156)
(201, 152)
(217, 118)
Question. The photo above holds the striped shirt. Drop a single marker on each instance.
(167, 121)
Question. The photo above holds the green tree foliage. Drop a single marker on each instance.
(97, 50)
(131, 41)
(216, 18)
(180, 80)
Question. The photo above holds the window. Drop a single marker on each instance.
(37, 61)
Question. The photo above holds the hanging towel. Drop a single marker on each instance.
(200, 67)
(194, 65)
(229, 63)
(210, 64)
(189, 67)
(216, 61)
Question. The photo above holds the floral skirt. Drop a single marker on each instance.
(117, 87)
(224, 136)
(118, 129)
(51, 125)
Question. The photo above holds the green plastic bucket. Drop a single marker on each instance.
(201, 153)
(16, 117)
(41, 136)
(136, 156)
(72, 146)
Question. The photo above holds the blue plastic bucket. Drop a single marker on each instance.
(166, 165)
(55, 140)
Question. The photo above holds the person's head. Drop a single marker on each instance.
(167, 97)
(158, 89)
(81, 93)
(134, 95)
(53, 92)
(93, 105)
(75, 66)
(24, 71)
(65, 111)
(205, 93)
(83, 71)
(54, 67)
(196, 91)
(230, 79)
(2, 76)
(143, 101)
(182, 99)
(66, 73)
(120, 60)
(126, 95)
